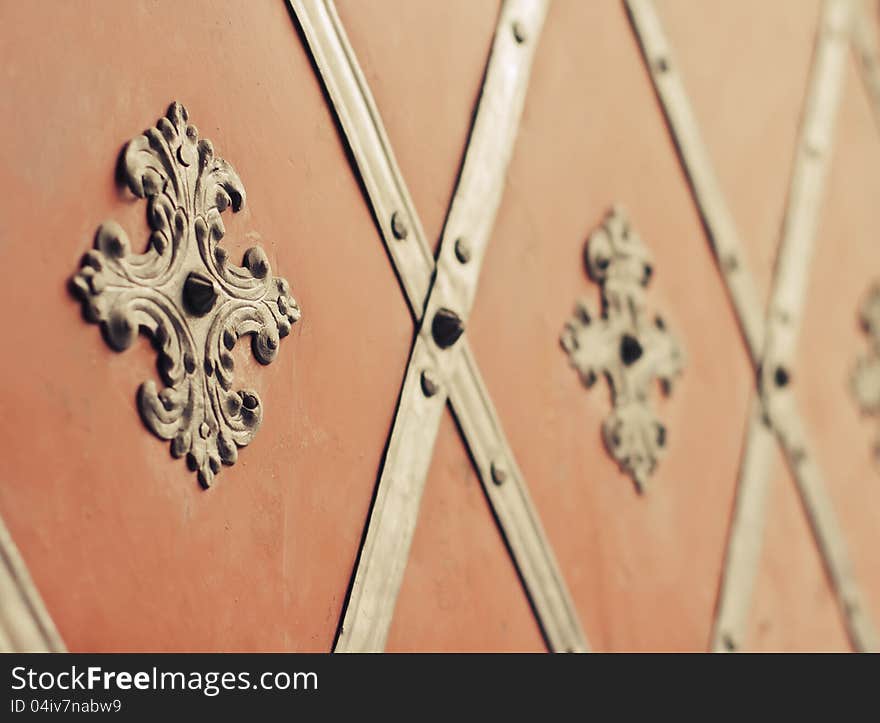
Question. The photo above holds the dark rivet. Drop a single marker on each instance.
(659, 323)
(602, 263)
(729, 263)
(519, 32)
(729, 643)
(781, 376)
(630, 349)
(446, 328)
(430, 385)
(661, 435)
(646, 277)
(462, 250)
(499, 474)
(199, 293)
(398, 226)
(661, 65)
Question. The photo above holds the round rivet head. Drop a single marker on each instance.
(499, 474)
(781, 376)
(398, 226)
(519, 32)
(430, 384)
(446, 328)
(630, 350)
(462, 251)
(199, 293)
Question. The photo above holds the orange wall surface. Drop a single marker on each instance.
(130, 554)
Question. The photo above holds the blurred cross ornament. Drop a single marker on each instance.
(624, 344)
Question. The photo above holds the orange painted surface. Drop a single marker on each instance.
(844, 268)
(592, 135)
(126, 549)
(749, 112)
(130, 554)
(793, 606)
(460, 592)
(424, 62)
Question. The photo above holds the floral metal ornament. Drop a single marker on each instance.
(631, 348)
(865, 380)
(185, 294)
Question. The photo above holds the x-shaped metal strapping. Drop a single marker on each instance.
(772, 341)
(441, 364)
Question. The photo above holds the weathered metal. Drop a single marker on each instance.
(393, 518)
(632, 349)
(363, 516)
(186, 295)
(772, 344)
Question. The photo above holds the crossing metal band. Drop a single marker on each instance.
(441, 364)
(774, 411)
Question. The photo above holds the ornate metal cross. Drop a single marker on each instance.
(625, 345)
(183, 292)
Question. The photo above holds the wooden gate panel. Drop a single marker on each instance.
(629, 560)
(745, 73)
(793, 607)
(842, 273)
(126, 549)
(460, 591)
(424, 63)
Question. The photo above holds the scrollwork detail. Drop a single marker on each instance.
(625, 345)
(183, 293)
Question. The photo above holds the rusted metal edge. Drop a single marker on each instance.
(25, 624)
(434, 372)
(749, 515)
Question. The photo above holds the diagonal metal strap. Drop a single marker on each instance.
(434, 371)
(775, 411)
(25, 624)
(866, 45)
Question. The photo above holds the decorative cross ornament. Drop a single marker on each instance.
(865, 379)
(624, 344)
(185, 294)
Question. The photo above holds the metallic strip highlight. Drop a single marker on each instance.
(450, 370)
(25, 624)
(866, 46)
(749, 515)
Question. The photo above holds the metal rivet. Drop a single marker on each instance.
(199, 293)
(519, 32)
(661, 65)
(729, 263)
(781, 376)
(430, 385)
(398, 226)
(630, 350)
(462, 250)
(446, 328)
(499, 474)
